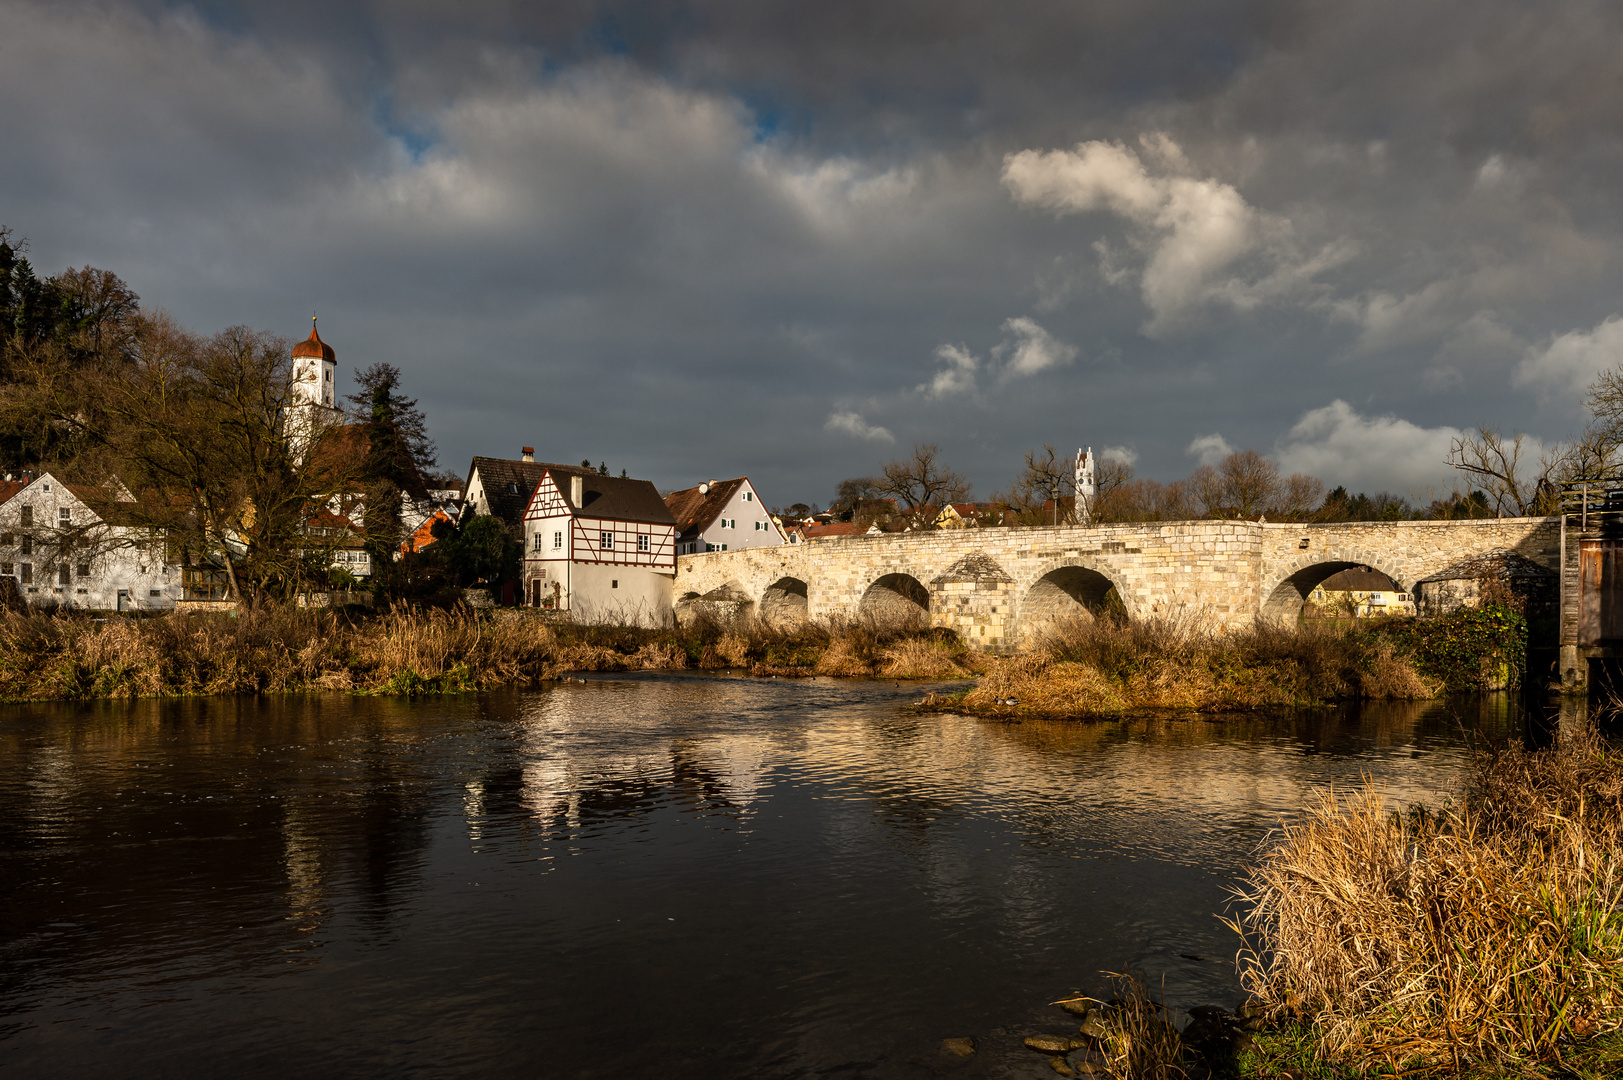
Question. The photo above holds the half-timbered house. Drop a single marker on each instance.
(602, 548)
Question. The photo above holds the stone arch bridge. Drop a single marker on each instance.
(997, 586)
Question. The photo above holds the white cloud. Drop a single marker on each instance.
(1034, 349)
(1192, 230)
(851, 423)
(1570, 362)
(1209, 449)
(1339, 445)
(958, 377)
(1124, 454)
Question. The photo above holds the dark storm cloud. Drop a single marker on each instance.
(701, 239)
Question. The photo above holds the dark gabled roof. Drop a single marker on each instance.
(510, 483)
(1361, 580)
(1498, 563)
(612, 498)
(694, 510)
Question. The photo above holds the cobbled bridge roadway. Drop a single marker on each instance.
(997, 586)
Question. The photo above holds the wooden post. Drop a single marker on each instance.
(1584, 527)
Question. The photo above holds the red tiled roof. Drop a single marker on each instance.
(694, 510)
(837, 528)
(313, 347)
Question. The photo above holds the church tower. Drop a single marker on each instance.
(314, 406)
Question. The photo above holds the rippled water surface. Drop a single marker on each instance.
(671, 876)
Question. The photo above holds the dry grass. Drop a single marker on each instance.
(1490, 933)
(1103, 667)
(409, 650)
(1139, 1041)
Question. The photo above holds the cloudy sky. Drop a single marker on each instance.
(789, 240)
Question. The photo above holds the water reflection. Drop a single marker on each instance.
(759, 878)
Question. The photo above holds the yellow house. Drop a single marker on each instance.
(1361, 592)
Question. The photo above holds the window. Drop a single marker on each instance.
(642, 541)
(614, 583)
(748, 497)
(326, 376)
(6, 569)
(27, 576)
(512, 489)
(28, 515)
(8, 539)
(605, 541)
(84, 569)
(536, 543)
(154, 592)
(64, 516)
(28, 545)
(557, 540)
(62, 574)
(757, 526)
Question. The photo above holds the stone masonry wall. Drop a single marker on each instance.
(1222, 573)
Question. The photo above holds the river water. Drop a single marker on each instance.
(665, 875)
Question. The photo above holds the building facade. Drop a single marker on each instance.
(722, 515)
(602, 548)
(61, 551)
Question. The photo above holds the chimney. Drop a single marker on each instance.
(528, 454)
(577, 490)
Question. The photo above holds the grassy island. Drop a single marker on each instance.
(1104, 667)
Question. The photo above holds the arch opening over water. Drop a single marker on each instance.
(896, 600)
(1070, 592)
(785, 602)
(1286, 600)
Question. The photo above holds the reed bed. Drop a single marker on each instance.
(1484, 936)
(1094, 667)
(404, 650)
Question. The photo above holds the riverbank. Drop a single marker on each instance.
(1484, 937)
(415, 651)
(1480, 939)
(1107, 668)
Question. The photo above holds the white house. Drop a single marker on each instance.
(600, 547)
(722, 515)
(60, 551)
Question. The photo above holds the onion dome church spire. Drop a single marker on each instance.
(315, 366)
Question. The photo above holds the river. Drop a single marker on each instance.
(657, 875)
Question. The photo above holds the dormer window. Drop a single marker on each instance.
(512, 489)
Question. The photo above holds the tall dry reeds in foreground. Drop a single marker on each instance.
(1490, 932)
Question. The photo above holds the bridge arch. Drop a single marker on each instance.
(1061, 590)
(1283, 599)
(896, 599)
(785, 602)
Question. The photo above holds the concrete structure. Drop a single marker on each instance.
(722, 515)
(998, 586)
(600, 547)
(62, 551)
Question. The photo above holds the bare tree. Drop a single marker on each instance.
(1299, 496)
(1494, 463)
(1206, 492)
(922, 480)
(1250, 483)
